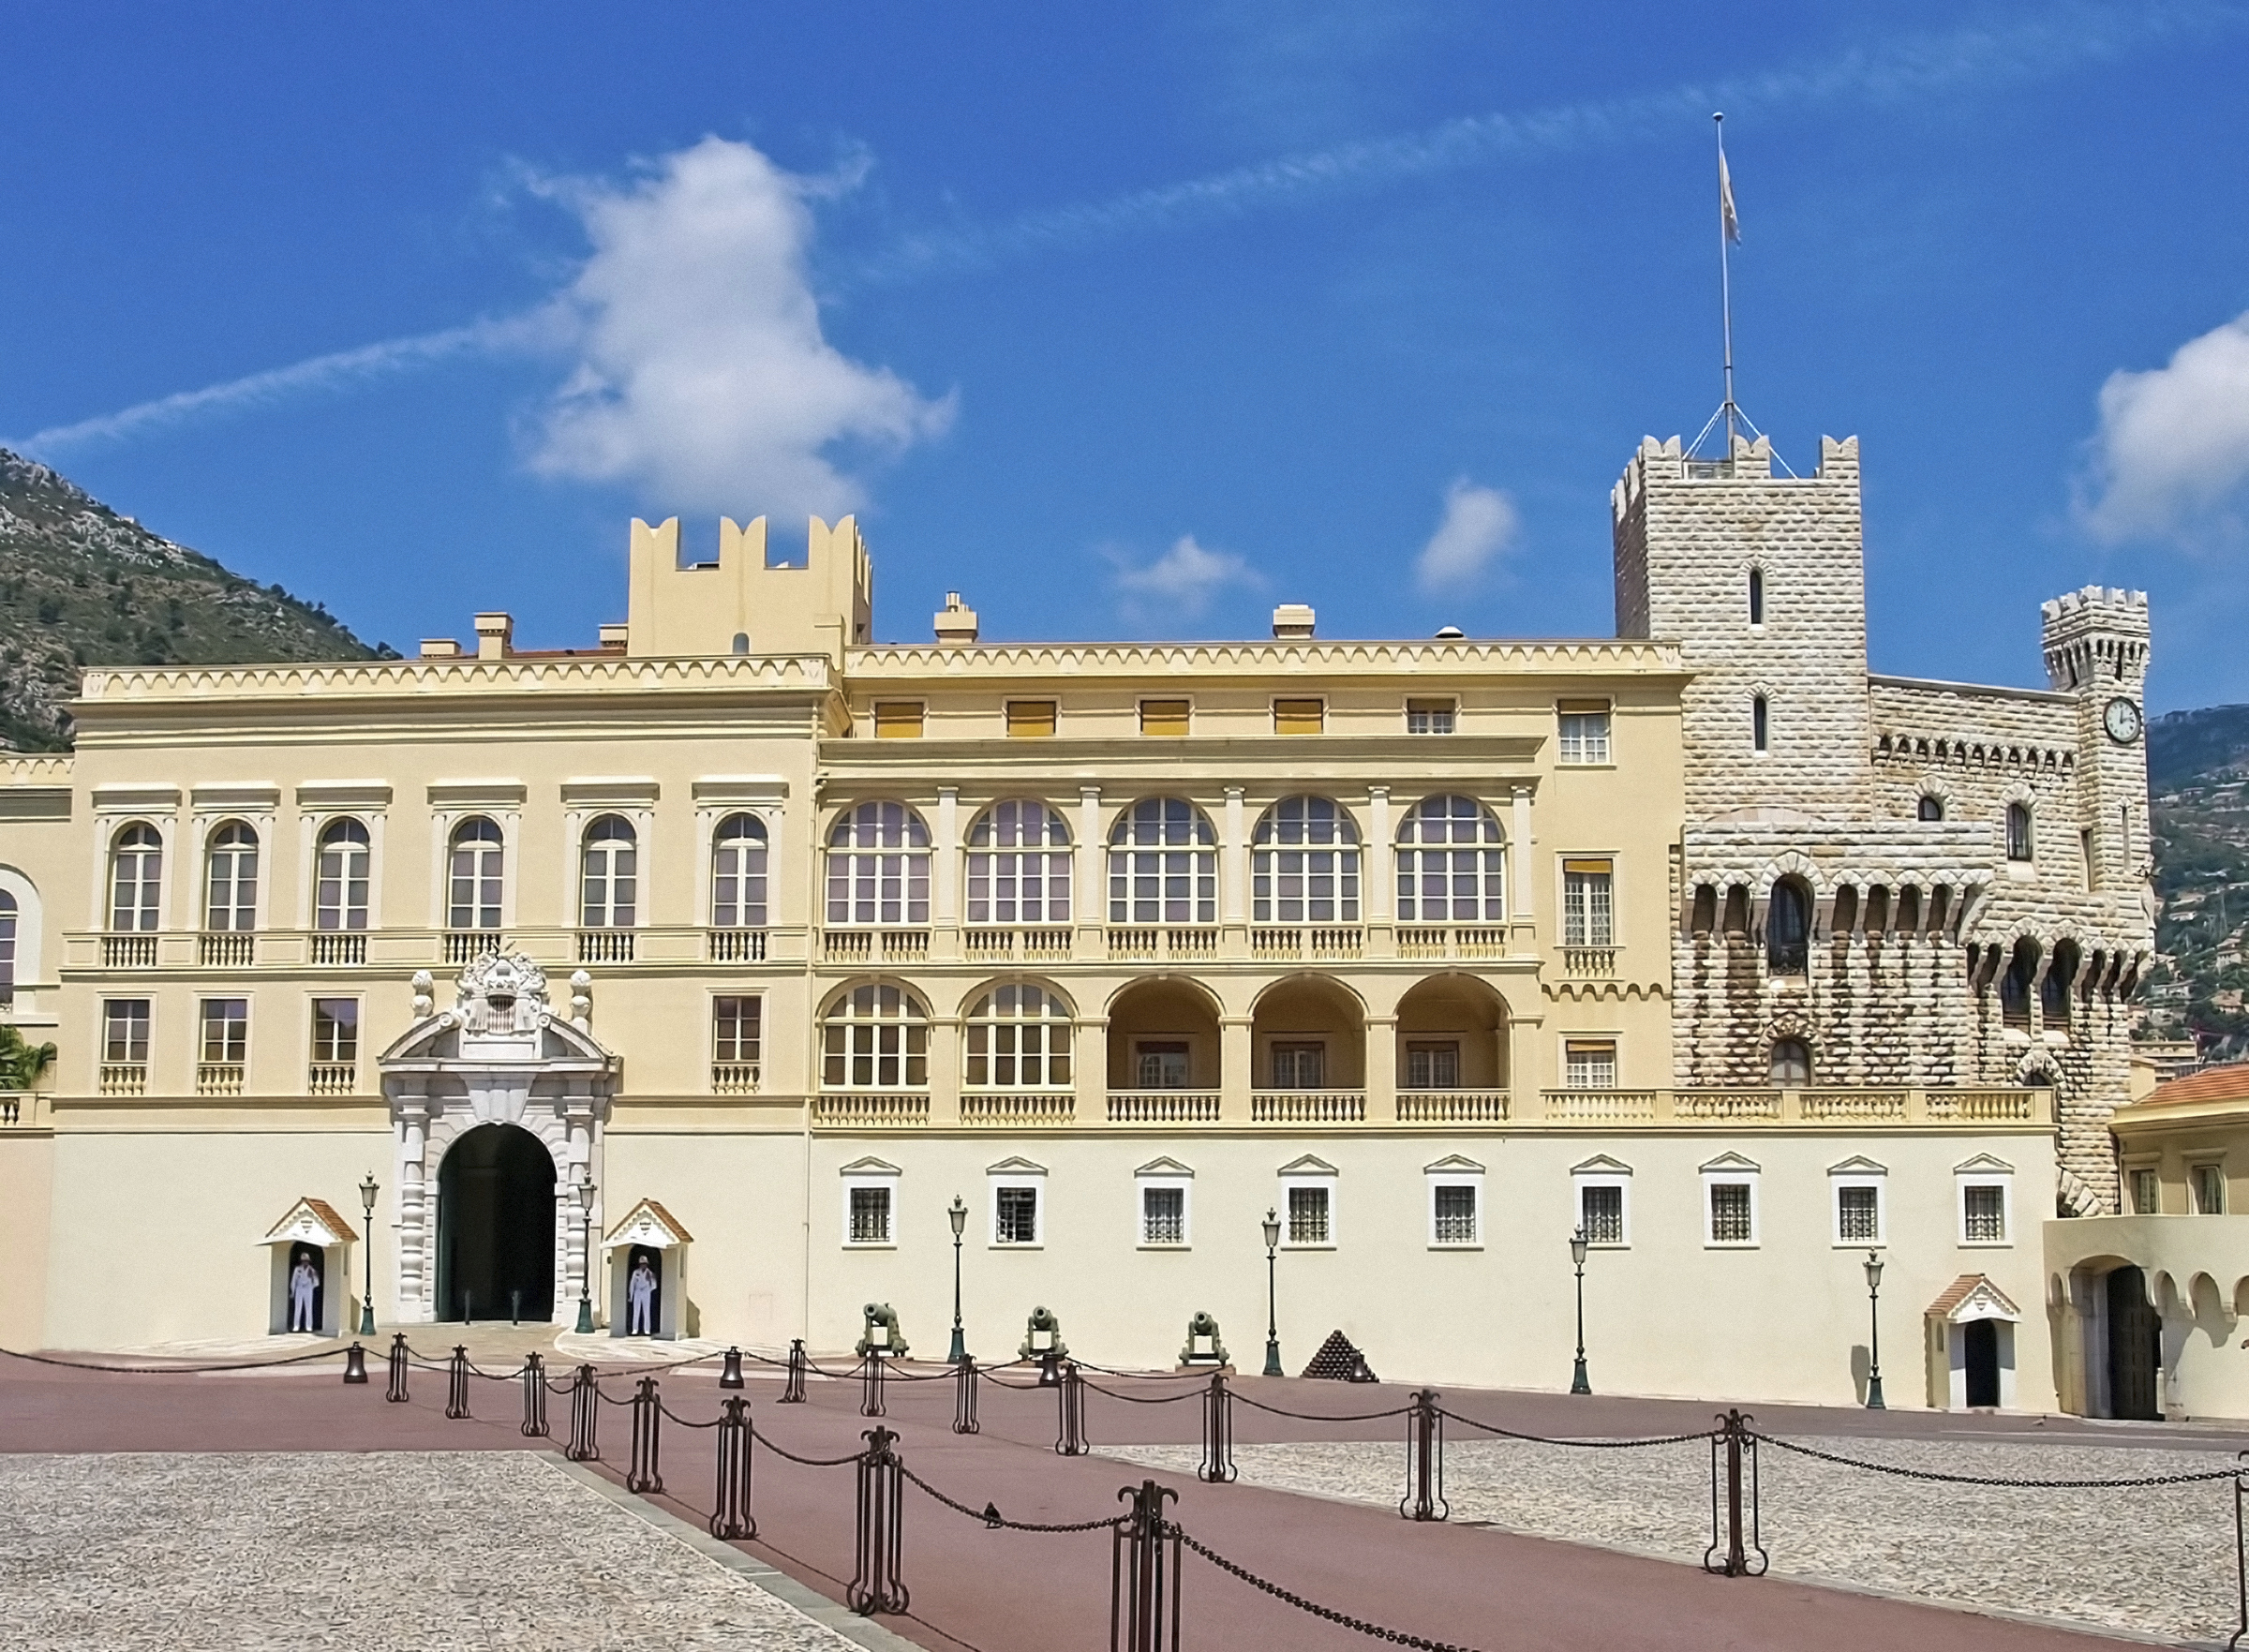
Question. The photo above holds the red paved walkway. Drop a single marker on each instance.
(1005, 1591)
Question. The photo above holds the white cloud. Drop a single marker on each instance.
(1479, 524)
(703, 378)
(2172, 452)
(1184, 579)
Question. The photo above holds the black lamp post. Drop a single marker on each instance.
(1578, 1385)
(1874, 1331)
(367, 1190)
(584, 1192)
(957, 1213)
(1273, 1316)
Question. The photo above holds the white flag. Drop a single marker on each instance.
(1728, 222)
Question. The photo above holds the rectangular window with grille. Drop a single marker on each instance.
(226, 1030)
(124, 1029)
(736, 1026)
(1015, 1216)
(2147, 1193)
(1601, 1214)
(1163, 1216)
(1429, 717)
(1162, 1067)
(870, 1216)
(897, 720)
(1432, 1066)
(1030, 720)
(1589, 917)
(1300, 1067)
(2210, 1190)
(1733, 1213)
(1589, 1064)
(1858, 1215)
(1168, 718)
(1309, 1217)
(1983, 1214)
(1299, 717)
(1583, 731)
(335, 1031)
(1454, 1213)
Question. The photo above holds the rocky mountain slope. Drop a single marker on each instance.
(2198, 773)
(82, 585)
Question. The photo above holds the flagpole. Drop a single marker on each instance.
(1726, 281)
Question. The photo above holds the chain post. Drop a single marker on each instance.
(646, 1473)
(1218, 1467)
(456, 1391)
(1069, 1403)
(875, 1585)
(1733, 1450)
(1425, 1498)
(396, 1392)
(792, 1391)
(2241, 1550)
(585, 1417)
(356, 1364)
(1144, 1576)
(534, 1396)
(964, 1396)
(730, 1375)
(871, 1386)
(730, 1511)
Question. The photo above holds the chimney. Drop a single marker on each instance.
(493, 634)
(956, 625)
(441, 648)
(1293, 621)
(614, 636)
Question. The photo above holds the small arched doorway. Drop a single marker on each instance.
(495, 1227)
(1979, 1360)
(2134, 1347)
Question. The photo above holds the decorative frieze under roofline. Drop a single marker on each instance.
(1145, 661)
(422, 678)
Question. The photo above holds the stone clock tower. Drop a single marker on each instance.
(2095, 642)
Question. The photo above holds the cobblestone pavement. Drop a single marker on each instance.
(386, 1552)
(2157, 1561)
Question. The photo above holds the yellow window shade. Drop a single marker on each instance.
(1591, 1047)
(1030, 719)
(1298, 717)
(1164, 717)
(897, 720)
(1580, 707)
(1601, 867)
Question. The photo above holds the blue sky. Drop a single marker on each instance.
(1139, 321)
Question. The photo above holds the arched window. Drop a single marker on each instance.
(1163, 865)
(875, 1037)
(340, 893)
(8, 947)
(476, 876)
(2019, 831)
(1305, 868)
(1791, 1062)
(2014, 986)
(609, 875)
(136, 877)
(231, 879)
(1019, 865)
(878, 867)
(1756, 596)
(1788, 929)
(1933, 807)
(737, 873)
(1019, 1039)
(1760, 725)
(2054, 985)
(1451, 863)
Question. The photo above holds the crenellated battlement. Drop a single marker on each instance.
(2095, 634)
(743, 605)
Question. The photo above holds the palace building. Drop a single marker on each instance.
(780, 940)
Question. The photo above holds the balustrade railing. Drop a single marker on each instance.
(1018, 1106)
(340, 947)
(1452, 1107)
(1447, 941)
(605, 945)
(232, 949)
(332, 1078)
(218, 1078)
(1869, 1105)
(466, 945)
(122, 1079)
(735, 946)
(1592, 964)
(1043, 942)
(878, 1108)
(858, 946)
(734, 1078)
(129, 952)
(1307, 1107)
(1163, 1107)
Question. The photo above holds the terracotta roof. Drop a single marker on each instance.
(2226, 1083)
(662, 1215)
(322, 1212)
(1959, 1290)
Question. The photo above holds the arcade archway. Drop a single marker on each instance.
(495, 1227)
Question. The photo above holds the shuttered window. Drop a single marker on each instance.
(1299, 717)
(1164, 717)
(1030, 720)
(897, 720)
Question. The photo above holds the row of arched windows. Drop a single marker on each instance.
(1163, 869)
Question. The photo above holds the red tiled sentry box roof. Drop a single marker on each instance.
(662, 1215)
(2226, 1083)
(1958, 1291)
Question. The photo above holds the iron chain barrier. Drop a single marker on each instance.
(1069, 1413)
(871, 1386)
(396, 1390)
(585, 1417)
(1144, 1573)
(646, 1473)
(793, 1393)
(456, 1391)
(1425, 1498)
(876, 1584)
(964, 1397)
(1218, 1465)
(730, 1515)
(534, 1397)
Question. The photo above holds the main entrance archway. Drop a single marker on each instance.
(2135, 1351)
(496, 1225)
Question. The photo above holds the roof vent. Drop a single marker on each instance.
(955, 624)
(1293, 621)
(1451, 634)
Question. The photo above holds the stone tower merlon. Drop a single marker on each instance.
(2095, 635)
(741, 605)
(1760, 581)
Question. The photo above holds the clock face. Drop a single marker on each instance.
(2121, 720)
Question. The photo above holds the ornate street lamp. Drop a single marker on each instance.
(584, 1192)
(1873, 1267)
(1578, 1385)
(1273, 1317)
(957, 1213)
(367, 1190)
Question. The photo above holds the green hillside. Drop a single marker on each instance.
(2199, 772)
(82, 585)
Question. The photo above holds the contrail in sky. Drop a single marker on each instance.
(2061, 39)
